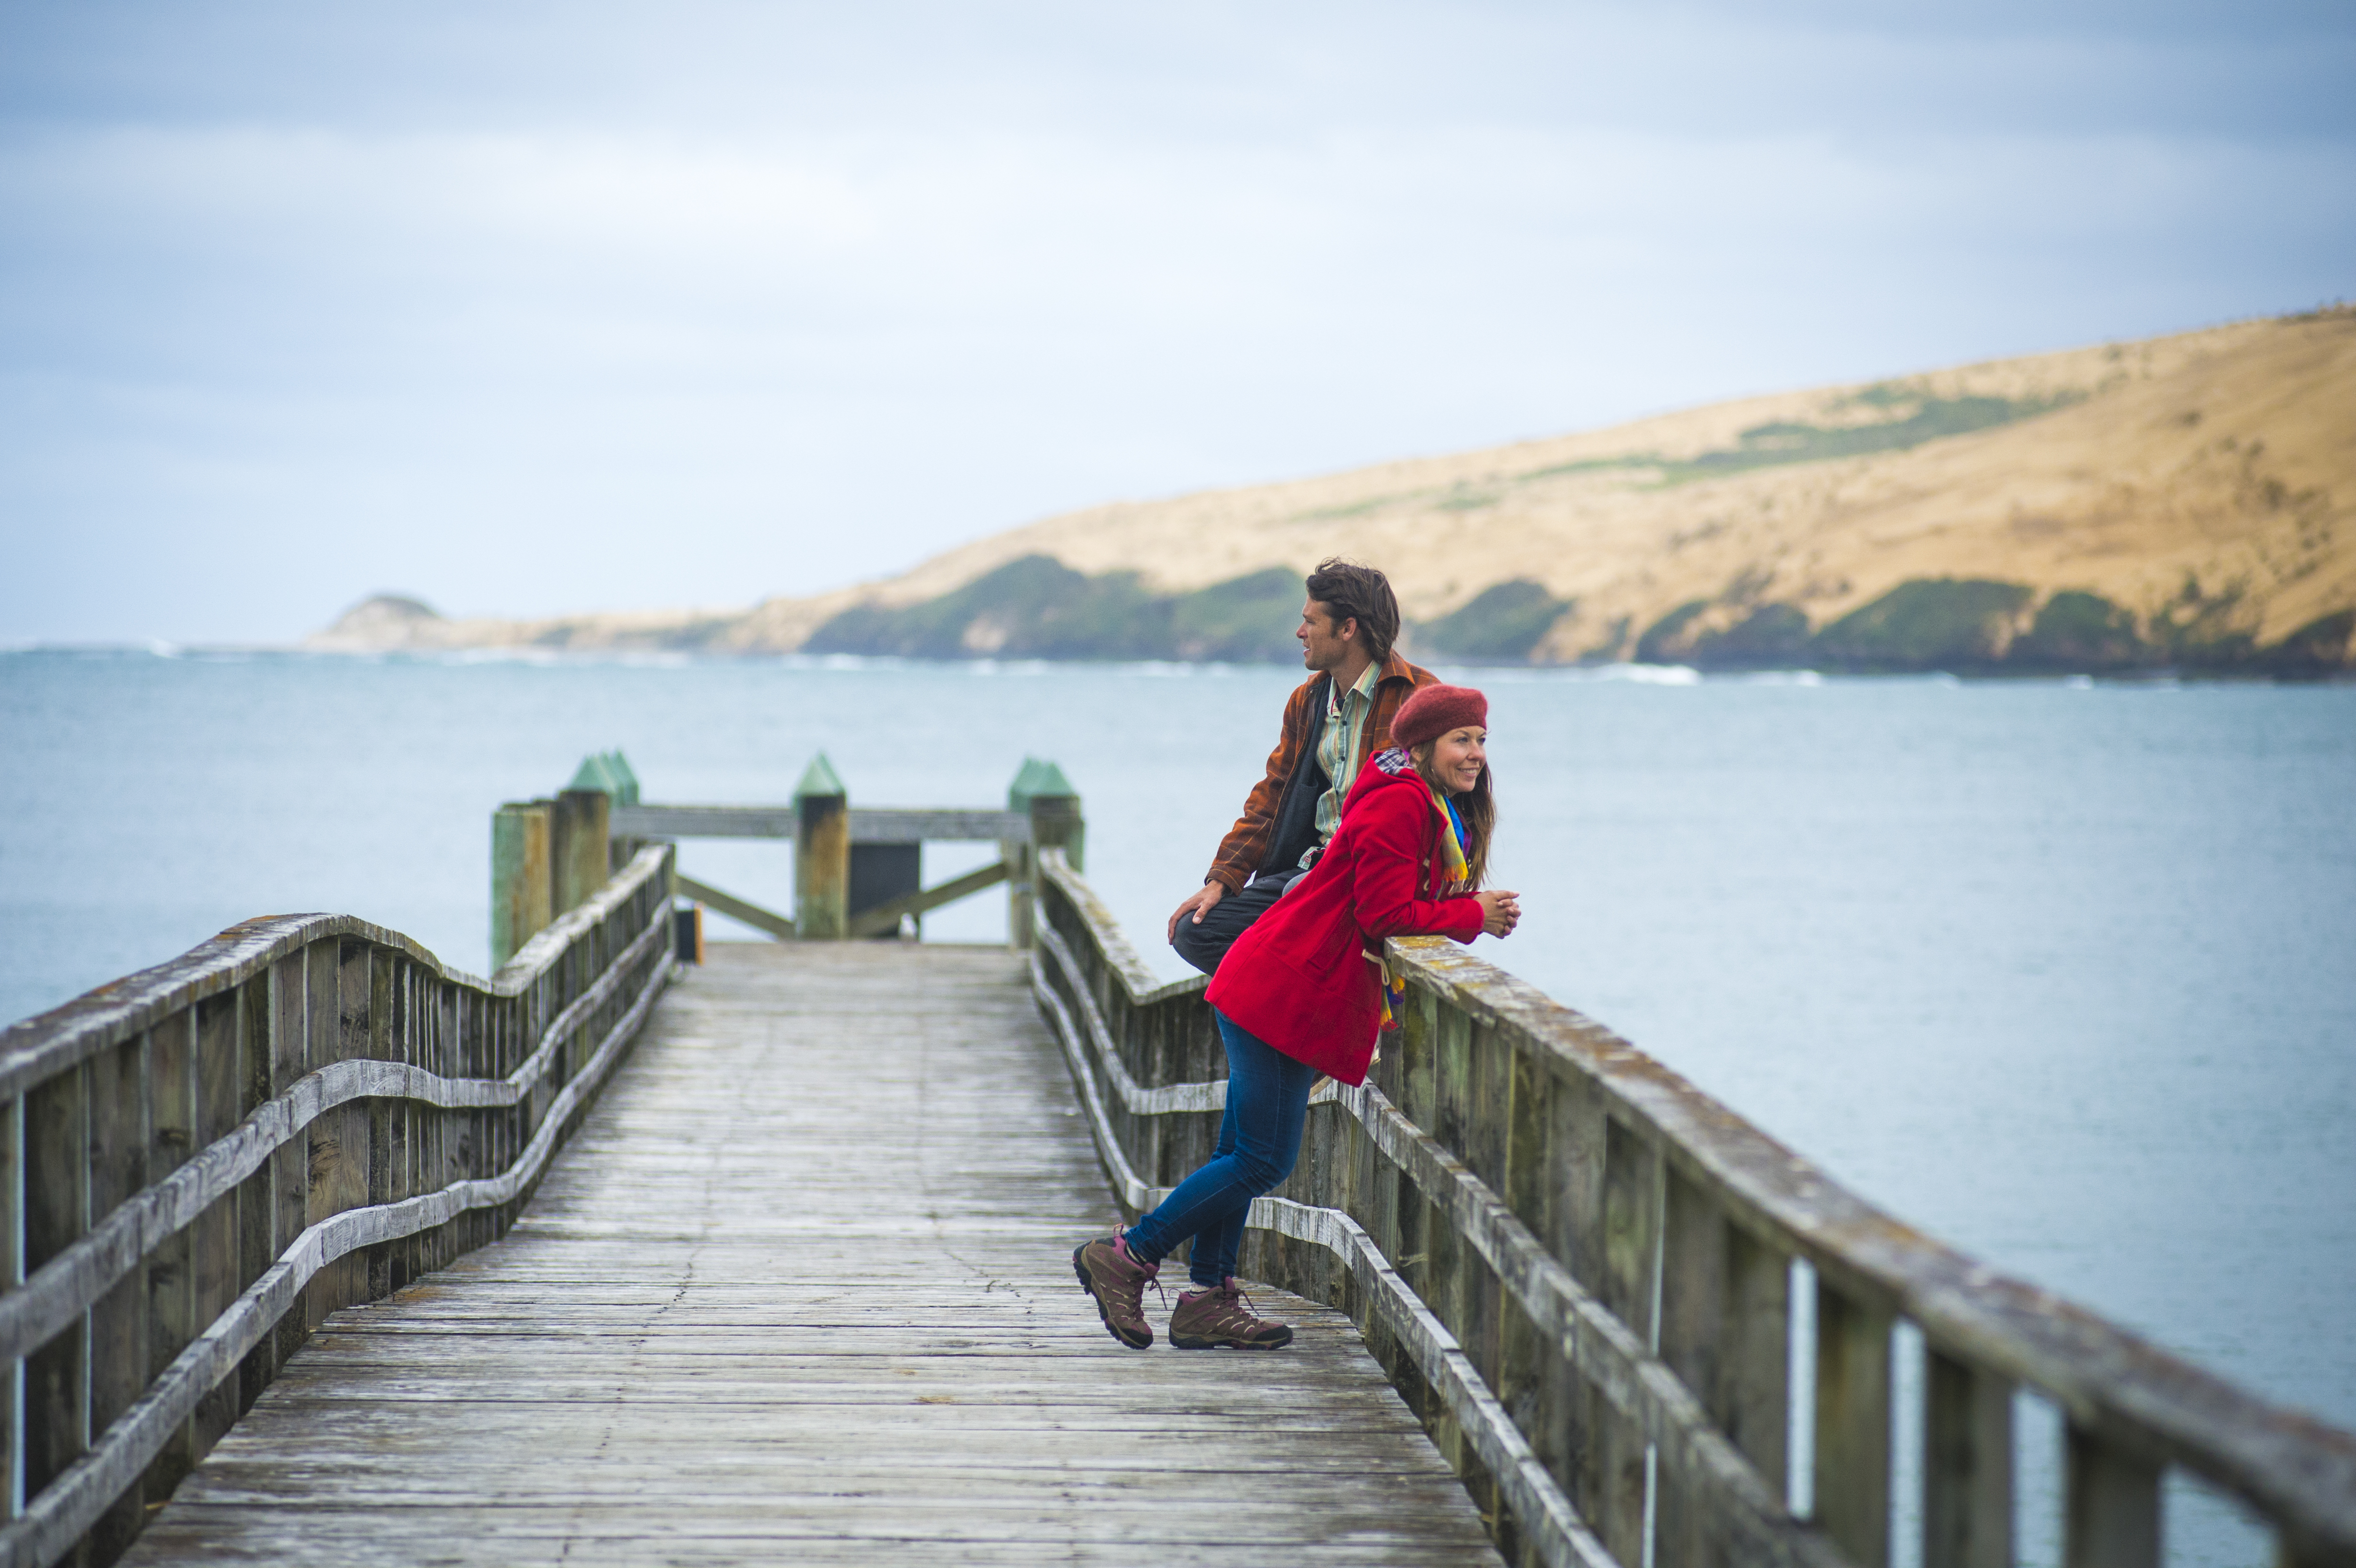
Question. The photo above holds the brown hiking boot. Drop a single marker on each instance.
(1117, 1281)
(1209, 1320)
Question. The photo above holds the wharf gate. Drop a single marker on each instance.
(1581, 1275)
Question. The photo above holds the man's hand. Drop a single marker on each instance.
(1500, 913)
(1198, 906)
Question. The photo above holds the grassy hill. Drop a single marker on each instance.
(2181, 503)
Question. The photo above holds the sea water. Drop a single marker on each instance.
(2059, 972)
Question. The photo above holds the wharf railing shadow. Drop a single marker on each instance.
(1586, 1276)
(202, 1161)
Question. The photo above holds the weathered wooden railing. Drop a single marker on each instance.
(204, 1159)
(857, 870)
(1580, 1271)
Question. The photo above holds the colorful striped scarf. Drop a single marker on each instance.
(1453, 878)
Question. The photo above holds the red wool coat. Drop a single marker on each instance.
(1297, 977)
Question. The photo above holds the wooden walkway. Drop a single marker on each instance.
(800, 1291)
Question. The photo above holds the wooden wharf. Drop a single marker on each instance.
(321, 1250)
(799, 1290)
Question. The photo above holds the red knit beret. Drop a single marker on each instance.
(1431, 711)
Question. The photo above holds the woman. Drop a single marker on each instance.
(1301, 993)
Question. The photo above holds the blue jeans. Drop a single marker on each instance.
(1259, 1137)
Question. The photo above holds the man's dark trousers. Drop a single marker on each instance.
(1294, 830)
(1204, 945)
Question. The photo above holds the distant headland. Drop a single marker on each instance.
(2185, 503)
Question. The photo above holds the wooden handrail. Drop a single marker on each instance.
(205, 1159)
(869, 825)
(828, 836)
(1610, 1249)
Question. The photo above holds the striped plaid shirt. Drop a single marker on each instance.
(1246, 843)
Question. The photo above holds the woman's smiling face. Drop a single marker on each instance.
(1458, 757)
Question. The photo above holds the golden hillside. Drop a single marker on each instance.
(2183, 492)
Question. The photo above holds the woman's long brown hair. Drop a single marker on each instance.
(1477, 806)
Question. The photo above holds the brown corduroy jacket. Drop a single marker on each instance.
(1246, 843)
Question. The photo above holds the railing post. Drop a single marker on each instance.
(1041, 789)
(285, 1052)
(56, 1145)
(121, 1113)
(1852, 1463)
(1724, 1330)
(577, 858)
(12, 1274)
(608, 772)
(1021, 868)
(1967, 1467)
(175, 1131)
(821, 854)
(2113, 1506)
(1631, 1262)
(521, 891)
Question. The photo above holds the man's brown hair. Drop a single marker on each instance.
(1353, 592)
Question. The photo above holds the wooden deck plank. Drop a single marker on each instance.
(801, 1287)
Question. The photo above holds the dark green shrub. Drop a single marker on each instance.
(2081, 633)
(1957, 625)
(1782, 441)
(1243, 620)
(1772, 636)
(1502, 623)
(1035, 607)
(1664, 641)
(1038, 608)
(2201, 633)
(2320, 648)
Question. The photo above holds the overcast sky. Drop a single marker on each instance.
(529, 308)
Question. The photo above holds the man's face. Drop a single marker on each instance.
(1324, 642)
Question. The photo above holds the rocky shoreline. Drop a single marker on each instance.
(1036, 608)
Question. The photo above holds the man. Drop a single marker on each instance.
(1333, 723)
